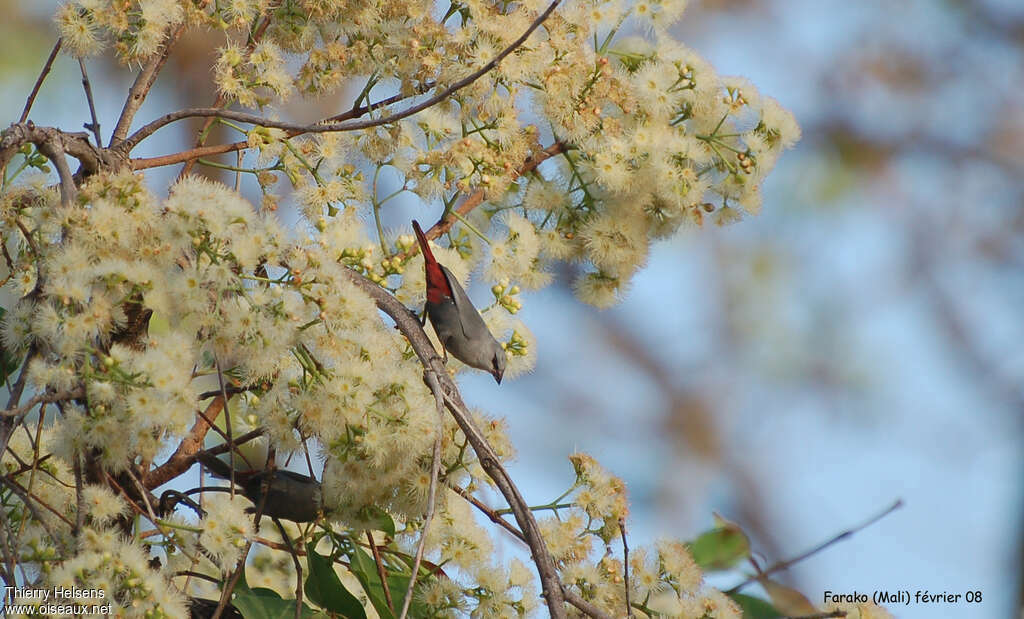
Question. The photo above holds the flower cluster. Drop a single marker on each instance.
(581, 146)
(137, 28)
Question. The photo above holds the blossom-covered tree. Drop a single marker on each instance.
(149, 317)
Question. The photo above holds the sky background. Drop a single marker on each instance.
(858, 342)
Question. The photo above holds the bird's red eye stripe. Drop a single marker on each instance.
(437, 284)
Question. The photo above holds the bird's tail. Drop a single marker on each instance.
(215, 465)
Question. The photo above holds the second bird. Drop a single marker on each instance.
(458, 325)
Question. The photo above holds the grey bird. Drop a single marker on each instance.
(290, 495)
(458, 325)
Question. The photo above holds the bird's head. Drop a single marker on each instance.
(497, 369)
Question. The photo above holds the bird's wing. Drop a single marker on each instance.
(470, 320)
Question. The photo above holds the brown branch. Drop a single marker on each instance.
(296, 128)
(54, 151)
(39, 81)
(47, 398)
(409, 325)
(79, 496)
(380, 570)
(223, 447)
(296, 563)
(28, 499)
(188, 155)
(487, 511)
(625, 566)
(144, 163)
(75, 144)
(184, 455)
(140, 88)
(7, 423)
(8, 546)
(94, 126)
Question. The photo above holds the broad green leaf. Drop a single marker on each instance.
(755, 608)
(380, 519)
(324, 588)
(365, 569)
(263, 603)
(789, 601)
(721, 547)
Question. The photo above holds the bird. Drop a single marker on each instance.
(290, 495)
(458, 325)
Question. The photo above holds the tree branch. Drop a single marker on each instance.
(141, 87)
(783, 565)
(144, 163)
(409, 325)
(75, 144)
(94, 126)
(297, 129)
(182, 458)
(39, 81)
(59, 396)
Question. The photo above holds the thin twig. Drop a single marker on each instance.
(183, 456)
(255, 119)
(232, 444)
(625, 565)
(227, 424)
(8, 546)
(298, 567)
(144, 494)
(39, 81)
(782, 565)
(94, 126)
(60, 396)
(435, 470)
(7, 423)
(380, 570)
(194, 153)
(79, 496)
(30, 500)
(144, 163)
(487, 511)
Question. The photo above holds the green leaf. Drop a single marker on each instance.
(324, 588)
(380, 519)
(755, 608)
(365, 569)
(263, 603)
(721, 547)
